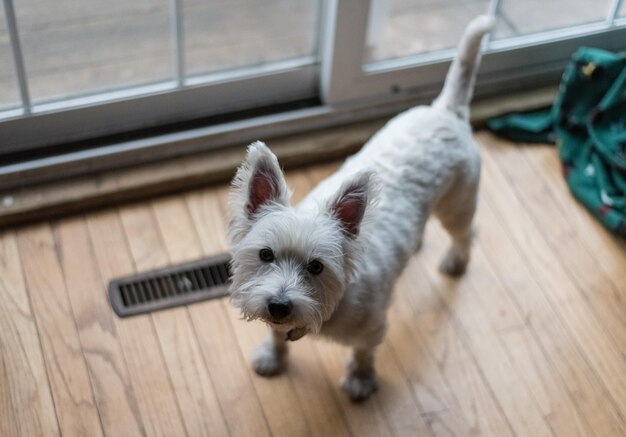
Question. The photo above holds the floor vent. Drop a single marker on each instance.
(172, 286)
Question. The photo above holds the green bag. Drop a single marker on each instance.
(588, 123)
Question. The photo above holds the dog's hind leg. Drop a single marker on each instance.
(456, 216)
(269, 358)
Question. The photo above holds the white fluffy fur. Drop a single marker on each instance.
(423, 161)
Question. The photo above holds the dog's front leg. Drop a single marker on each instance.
(360, 380)
(269, 358)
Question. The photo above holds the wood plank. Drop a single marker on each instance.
(562, 292)
(283, 409)
(67, 372)
(561, 351)
(237, 393)
(26, 406)
(536, 371)
(563, 237)
(193, 387)
(114, 394)
(396, 398)
(448, 384)
(146, 366)
(233, 380)
(608, 251)
(315, 403)
(181, 241)
(480, 311)
(175, 228)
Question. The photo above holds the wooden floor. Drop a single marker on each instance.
(530, 342)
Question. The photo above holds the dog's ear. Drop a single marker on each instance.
(259, 181)
(349, 204)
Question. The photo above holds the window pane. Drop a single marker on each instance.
(8, 85)
(223, 35)
(74, 47)
(532, 16)
(399, 28)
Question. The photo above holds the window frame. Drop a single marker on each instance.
(149, 106)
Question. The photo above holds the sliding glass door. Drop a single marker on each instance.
(76, 75)
(396, 48)
(88, 68)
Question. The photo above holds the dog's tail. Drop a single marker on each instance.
(459, 86)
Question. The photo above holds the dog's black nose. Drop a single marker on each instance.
(279, 308)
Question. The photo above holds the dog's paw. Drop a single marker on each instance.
(267, 360)
(452, 265)
(358, 386)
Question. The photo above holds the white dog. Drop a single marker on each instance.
(328, 266)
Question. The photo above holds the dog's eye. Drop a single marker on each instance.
(315, 267)
(266, 255)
